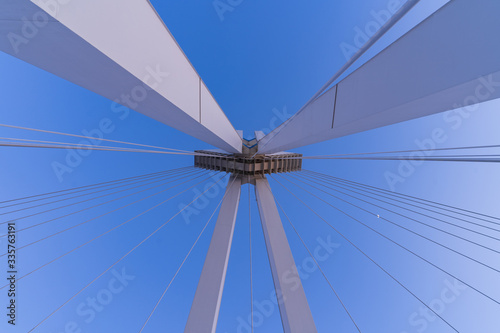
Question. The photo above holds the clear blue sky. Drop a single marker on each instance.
(262, 61)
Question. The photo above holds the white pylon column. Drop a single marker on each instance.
(438, 66)
(121, 50)
(294, 308)
(206, 304)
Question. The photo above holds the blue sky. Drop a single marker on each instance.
(262, 62)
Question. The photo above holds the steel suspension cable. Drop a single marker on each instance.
(84, 188)
(409, 230)
(351, 189)
(107, 213)
(396, 200)
(406, 151)
(122, 258)
(392, 241)
(82, 146)
(102, 148)
(468, 158)
(87, 137)
(100, 204)
(419, 222)
(85, 194)
(72, 204)
(112, 183)
(182, 264)
(75, 145)
(416, 199)
(409, 218)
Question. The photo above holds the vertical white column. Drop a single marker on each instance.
(206, 304)
(294, 308)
